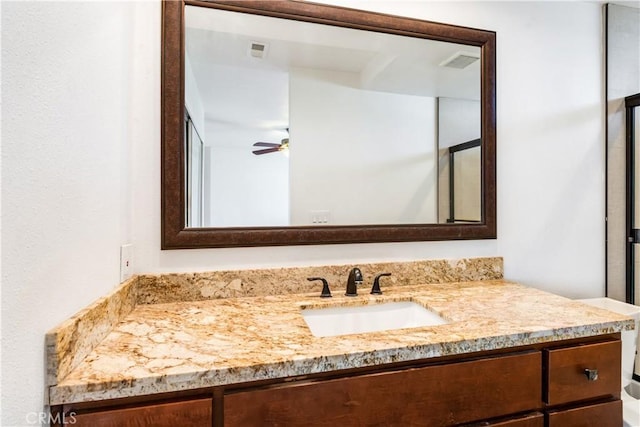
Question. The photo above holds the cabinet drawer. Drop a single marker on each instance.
(566, 380)
(428, 396)
(191, 413)
(535, 419)
(608, 414)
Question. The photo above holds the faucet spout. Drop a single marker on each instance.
(355, 278)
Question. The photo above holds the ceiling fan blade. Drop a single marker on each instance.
(265, 144)
(266, 150)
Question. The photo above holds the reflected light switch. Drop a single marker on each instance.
(320, 217)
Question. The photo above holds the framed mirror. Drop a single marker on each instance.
(289, 123)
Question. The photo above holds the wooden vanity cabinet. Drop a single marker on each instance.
(438, 395)
(605, 414)
(566, 368)
(534, 419)
(535, 386)
(568, 386)
(185, 413)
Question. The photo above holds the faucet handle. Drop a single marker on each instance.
(357, 275)
(326, 292)
(376, 283)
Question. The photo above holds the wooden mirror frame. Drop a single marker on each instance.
(174, 233)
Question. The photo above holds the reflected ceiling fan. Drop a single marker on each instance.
(272, 147)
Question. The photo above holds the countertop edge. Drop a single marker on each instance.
(298, 367)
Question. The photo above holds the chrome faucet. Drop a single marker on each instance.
(355, 278)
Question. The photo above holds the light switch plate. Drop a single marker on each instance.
(126, 262)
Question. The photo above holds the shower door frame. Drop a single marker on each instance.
(633, 234)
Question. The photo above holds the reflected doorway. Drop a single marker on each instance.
(632, 107)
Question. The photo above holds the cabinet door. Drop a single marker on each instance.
(608, 414)
(437, 395)
(192, 413)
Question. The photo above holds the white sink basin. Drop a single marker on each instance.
(332, 321)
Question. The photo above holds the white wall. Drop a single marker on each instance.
(81, 163)
(383, 139)
(254, 190)
(192, 99)
(69, 122)
(458, 121)
(550, 163)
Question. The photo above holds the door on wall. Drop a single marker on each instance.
(194, 166)
(632, 107)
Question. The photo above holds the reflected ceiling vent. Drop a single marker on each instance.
(258, 50)
(460, 60)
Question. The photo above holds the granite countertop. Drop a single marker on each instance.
(186, 345)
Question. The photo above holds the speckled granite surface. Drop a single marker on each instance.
(69, 343)
(177, 346)
(154, 289)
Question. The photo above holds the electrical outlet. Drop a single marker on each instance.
(126, 262)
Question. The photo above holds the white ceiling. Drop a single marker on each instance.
(236, 86)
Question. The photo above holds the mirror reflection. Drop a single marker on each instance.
(464, 202)
(293, 123)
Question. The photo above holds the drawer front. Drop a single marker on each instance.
(566, 379)
(535, 419)
(429, 396)
(191, 413)
(607, 414)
